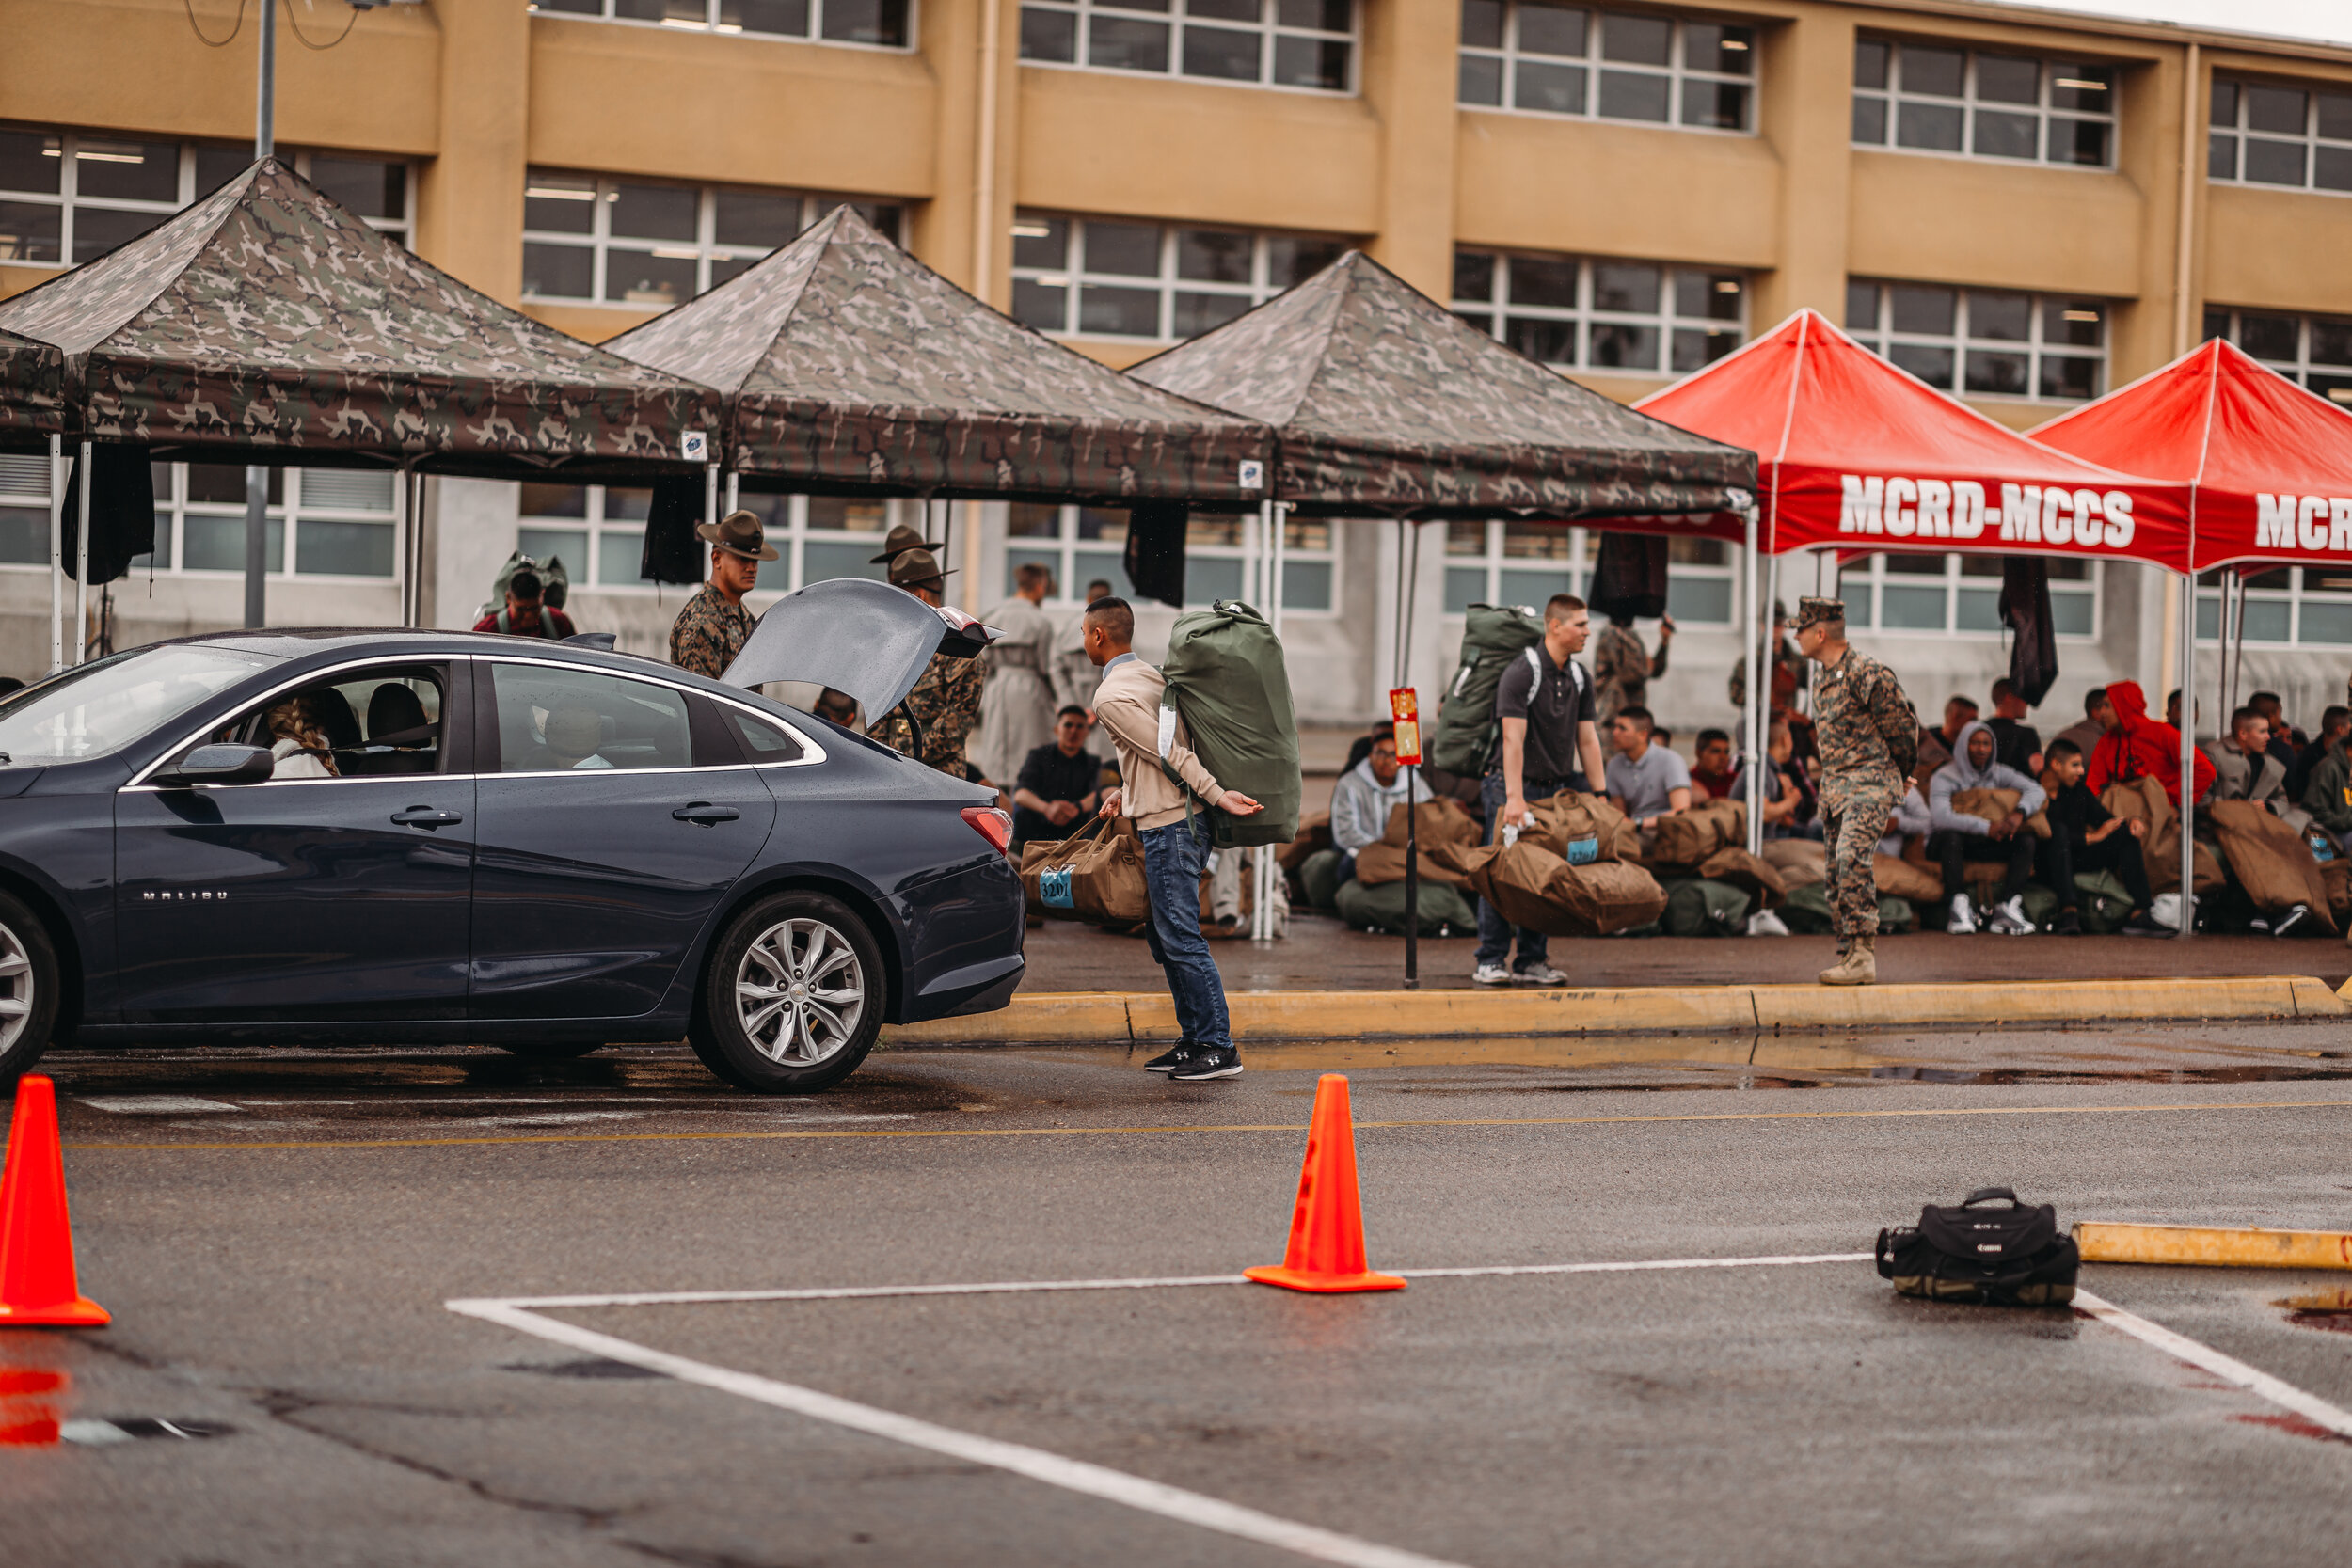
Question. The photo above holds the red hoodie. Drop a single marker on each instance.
(2139, 745)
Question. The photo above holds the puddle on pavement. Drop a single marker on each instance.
(2330, 1311)
(593, 1366)
(2274, 1074)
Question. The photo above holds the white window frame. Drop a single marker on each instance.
(1880, 336)
(601, 191)
(2230, 134)
(73, 147)
(1177, 16)
(173, 510)
(1508, 55)
(786, 520)
(1689, 568)
(1075, 559)
(2331, 378)
(2044, 108)
(1033, 284)
(2304, 591)
(709, 16)
(1861, 584)
(1494, 315)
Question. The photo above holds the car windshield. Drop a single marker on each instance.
(102, 707)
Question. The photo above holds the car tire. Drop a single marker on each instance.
(549, 1050)
(792, 997)
(29, 989)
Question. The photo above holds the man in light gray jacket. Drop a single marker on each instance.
(1364, 795)
(1958, 837)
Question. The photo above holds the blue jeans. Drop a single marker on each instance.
(1494, 932)
(1171, 877)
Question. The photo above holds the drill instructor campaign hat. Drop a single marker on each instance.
(903, 539)
(739, 533)
(918, 568)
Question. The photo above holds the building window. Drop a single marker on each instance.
(346, 523)
(2315, 351)
(1984, 342)
(598, 532)
(1959, 595)
(2307, 607)
(1933, 98)
(2273, 135)
(1526, 563)
(1281, 43)
(1638, 317)
(68, 197)
(1102, 278)
(1080, 545)
(603, 240)
(881, 22)
(1554, 59)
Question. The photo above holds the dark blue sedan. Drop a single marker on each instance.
(430, 837)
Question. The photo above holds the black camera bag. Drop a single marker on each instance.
(2012, 1257)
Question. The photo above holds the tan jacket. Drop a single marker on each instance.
(1127, 705)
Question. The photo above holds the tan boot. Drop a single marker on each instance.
(1859, 966)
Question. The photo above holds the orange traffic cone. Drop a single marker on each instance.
(36, 1284)
(1326, 1249)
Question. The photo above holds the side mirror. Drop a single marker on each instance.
(220, 764)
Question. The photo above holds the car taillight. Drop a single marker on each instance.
(992, 825)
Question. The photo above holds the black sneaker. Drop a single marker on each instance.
(2070, 924)
(2289, 920)
(1217, 1061)
(1168, 1061)
(2143, 924)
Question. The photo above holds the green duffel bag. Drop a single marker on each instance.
(1697, 907)
(1226, 680)
(1382, 908)
(1320, 878)
(2102, 901)
(1807, 912)
(1896, 914)
(1492, 637)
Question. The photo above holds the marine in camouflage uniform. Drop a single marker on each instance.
(713, 627)
(946, 699)
(1622, 667)
(1861, 718)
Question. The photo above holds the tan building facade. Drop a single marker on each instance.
(2024, 207)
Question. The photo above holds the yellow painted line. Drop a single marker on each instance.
(1148, 1018)
(2248, 1248)
(1226, 1127)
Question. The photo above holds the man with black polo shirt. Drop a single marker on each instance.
(1549, 743)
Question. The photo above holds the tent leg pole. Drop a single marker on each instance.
(710, 493)
(2187, 759)
(81, 557)
(1759, 682)
(731, 489)
(56, 552)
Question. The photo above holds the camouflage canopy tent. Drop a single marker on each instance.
(1386, 404)
(266, 324)
(32, 393)
(851, 368)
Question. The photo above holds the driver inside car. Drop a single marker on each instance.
(572, 736)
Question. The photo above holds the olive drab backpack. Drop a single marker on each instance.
(1226, 679)
(555, 587)
(1492, 637)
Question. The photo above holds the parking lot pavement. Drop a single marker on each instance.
(278, 1271)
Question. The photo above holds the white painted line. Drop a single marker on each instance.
(856, 1292)
(554, 1118)
(153, 1105)
(1072, 1475)
(2228, 1369)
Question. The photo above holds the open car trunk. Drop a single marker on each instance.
(863, 637)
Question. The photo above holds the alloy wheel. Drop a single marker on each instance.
(800, 992)
(16, 988)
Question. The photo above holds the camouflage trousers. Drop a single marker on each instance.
(1854, 821)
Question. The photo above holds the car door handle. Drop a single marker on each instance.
(705, 812)
(425, 816)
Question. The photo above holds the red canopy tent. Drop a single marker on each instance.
(1855, 453)
(2269, 464)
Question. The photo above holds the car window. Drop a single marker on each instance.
(553, 720)
(102, 707)
(353, 724)
(764, 740)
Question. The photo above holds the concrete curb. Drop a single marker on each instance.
(1146, 1018)
(2249, 1249)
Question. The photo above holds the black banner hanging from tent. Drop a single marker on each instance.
(1156, 550)
(121, 511)
(672, 553)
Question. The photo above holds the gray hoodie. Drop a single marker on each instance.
(1957, 775)
(1361, 805)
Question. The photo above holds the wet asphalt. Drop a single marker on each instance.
(277, 1233)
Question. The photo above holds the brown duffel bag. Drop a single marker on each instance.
(1899, 878)
(1095, 875)
(1582, 830)
(1801, 861)
(2336, 875)
(1530, 886)
(1441, 821)
(1379, 864)
(1993, 805)
(2144, 797)
(1689, 837)
(1753, 874)
(1314, 832)
(2273, 863)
